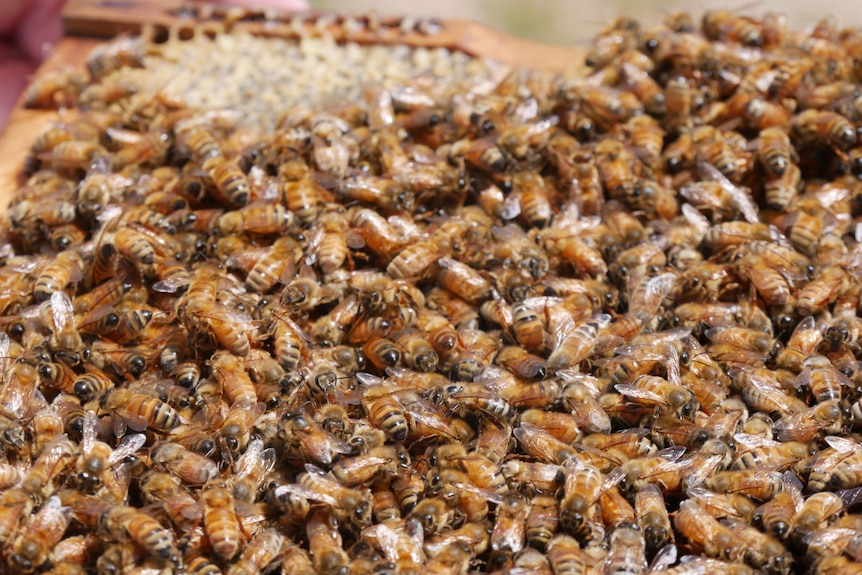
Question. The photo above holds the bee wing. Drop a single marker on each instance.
(632, 391)
(172, 284)
(90, 432)
(672, 365)
(597, 453)
(850, 497)
(484, 493)
(750, 442)
(305, 493)
(842, 445)
(665, 557)
(739, 198)
(131, 420)
(369, 379)
(703, 471)
(129, 445)
(62, 311)
(427, 414)
(829, 537)
(695, 218)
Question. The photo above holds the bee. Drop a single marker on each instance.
(252, 468)
(382, 352)
(705, 532)
(277, 266)
(775, 153)
(325, 544)
(652, 517)
(764, 552)
(816, 512)
(805, 425)
(835, 467)
(776, 514)
(760, 485)
(66, 267)
(106, 58)
(434, 514)
(821, 291)
(181, 506)
(509, 530)
(220, 519)
(193, 468)
(823, 126)
(139, 411)
(759, 453)
(315, 442)
(347, 504)
(583, 486)
(259, 553)
(461, 280)
(542, 522)
(654, 390)
(565, 555)
(97, 459)
(31, 549)
(39, 481)
(724, 25)
(66, 342)
(122, 522)
(384, 411)
(233, 189)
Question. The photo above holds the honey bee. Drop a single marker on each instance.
(193, 468)
(582, 488)
(834, 467)
(139, 411)
(348, 504)
(66, 343)
(122, 522)
(724, 25)
(220, 519)
(816, 512)
(817, 125)
(805, 425)
(259, 553)
(39, 481)
(97, 459)
(252, 467)
(775, 152)
(565, 555)
(315, 442)
(776, 514)
(760, 485)
(65, 268)
(509, 530)
(759, 453)
(181, 506)
(31, 549)
(232, 187)
(418, 352)
(384, 411)
(703, 530)
(764, 552)
(652, 517)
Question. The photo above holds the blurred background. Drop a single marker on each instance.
(576, 21)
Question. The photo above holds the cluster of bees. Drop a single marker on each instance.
(598, 325)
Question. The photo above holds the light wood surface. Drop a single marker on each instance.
(85, 22)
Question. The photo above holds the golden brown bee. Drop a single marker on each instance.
(814, 513)
(191, 467)
(775, 151)
(652, 517)
(32, 548)
(325, 544)
(230, 182)
(315, 442)
(776, 514)
(98, 459)
(542, 521)
(816, 125)
(159, 543)
(65, 268)
(805, 425)
(708, 534)
(220, 519)
(302, 195)
(724, 25)
(259, 553)
(565, 555)
(139, 411)
(66, 343)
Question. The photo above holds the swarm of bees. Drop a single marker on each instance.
(499, 322)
